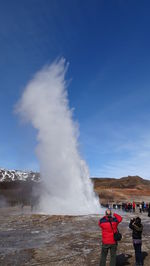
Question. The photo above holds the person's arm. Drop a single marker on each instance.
(131, 224)
(101, 223)
(118, 217)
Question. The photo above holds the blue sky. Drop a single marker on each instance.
(107, 44)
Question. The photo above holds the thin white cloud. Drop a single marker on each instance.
(119, 137)
(134, 159)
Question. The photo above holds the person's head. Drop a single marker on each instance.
(108, 213)
(138, 220)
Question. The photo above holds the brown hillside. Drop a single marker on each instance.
(122, 189)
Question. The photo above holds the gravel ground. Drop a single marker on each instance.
(36, 239)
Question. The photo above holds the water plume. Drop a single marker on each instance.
(44, 103)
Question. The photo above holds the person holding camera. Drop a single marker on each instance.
(137, 228)
(110, 236)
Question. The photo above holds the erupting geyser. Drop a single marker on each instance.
(44, 103)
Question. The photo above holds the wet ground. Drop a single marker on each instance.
(34, 239)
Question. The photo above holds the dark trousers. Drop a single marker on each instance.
(104, 252)
(138, 254)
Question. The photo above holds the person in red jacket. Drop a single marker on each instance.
(109, 224)
(133, 206)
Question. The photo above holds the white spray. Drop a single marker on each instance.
(44, 103)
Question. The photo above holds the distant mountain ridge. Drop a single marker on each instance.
(123, 189)
(123, 182)
(17, 175)
(24, 187)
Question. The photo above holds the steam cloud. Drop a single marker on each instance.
(44, 103)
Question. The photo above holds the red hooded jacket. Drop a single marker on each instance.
(107, 232)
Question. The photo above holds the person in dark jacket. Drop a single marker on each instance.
(109, 224)
(137, 228)
(149, 210)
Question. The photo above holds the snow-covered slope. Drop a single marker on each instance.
(17, 175)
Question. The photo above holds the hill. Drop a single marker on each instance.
(24, 186)
(123, 189)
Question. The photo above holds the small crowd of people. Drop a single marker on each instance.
(111, 236)
(130, 206)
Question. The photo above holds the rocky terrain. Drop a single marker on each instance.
(28, 239)
(124, 189)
